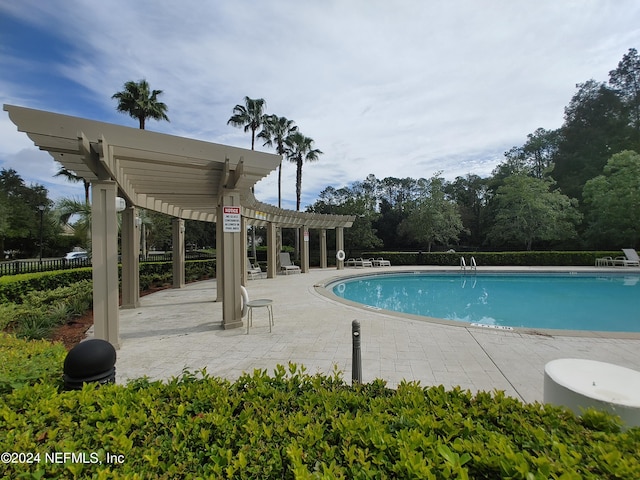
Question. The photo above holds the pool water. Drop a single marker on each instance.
(546, 301)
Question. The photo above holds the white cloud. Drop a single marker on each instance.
(393, 89)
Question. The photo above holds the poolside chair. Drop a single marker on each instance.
(253, 271)
(361, 262)
(286, 265)
(249, 305)
(630, 258)
(380, 262)
(350, 262)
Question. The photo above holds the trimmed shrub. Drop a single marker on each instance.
(294, 425)
(14, 287)
(27, 363)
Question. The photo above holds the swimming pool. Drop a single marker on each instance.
(593, 302)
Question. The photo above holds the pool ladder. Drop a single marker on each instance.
(472, 265)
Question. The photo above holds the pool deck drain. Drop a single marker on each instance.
(180, 329)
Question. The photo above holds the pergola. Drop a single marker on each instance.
(177, 176)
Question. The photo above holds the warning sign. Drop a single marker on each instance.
(231, 220)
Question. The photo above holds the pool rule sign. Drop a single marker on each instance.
(231, 219)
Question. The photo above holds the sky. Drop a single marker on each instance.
(406, 88)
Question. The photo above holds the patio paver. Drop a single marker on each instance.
(180, 329)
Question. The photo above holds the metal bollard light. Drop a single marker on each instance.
(356, 362)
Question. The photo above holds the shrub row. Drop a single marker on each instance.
(161, 273)
(14, 288)
(494, 259)
(294, 425)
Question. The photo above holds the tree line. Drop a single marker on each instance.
(571, 188)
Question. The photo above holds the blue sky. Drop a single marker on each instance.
(400, 89)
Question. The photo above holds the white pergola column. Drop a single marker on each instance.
(219, 262)
(231, 257)
(130, 250)
(272, 250)
(104, 248)
(177, 255)
(304, 249)
(339, 246)
(244, 246)
(323, 248)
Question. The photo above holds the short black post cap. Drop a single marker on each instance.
(90, 361)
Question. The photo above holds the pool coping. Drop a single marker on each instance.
(322, 290)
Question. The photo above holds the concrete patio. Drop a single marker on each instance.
(180, 329)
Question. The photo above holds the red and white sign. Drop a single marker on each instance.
(231, 220)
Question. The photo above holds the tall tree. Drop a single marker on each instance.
(595, 128)
(470, 193)
(20, 214)
(368, 190)
(345, 201)
(433, 218)
(528, 210)
(299, 150)
(626, 81)
(613, 203)
(275, 132)
(535, 157)
(249, 116)
(140, 102)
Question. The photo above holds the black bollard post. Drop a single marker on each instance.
(356, 362)
(90, 361)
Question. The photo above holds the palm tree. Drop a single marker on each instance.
(72, 177)
(68, 208)
(249, 116)
(275, 132)
(140, 102)
(299, 150)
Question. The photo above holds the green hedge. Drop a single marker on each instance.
(158, 273)
(494, 259)
(14, 287)
(294, 425)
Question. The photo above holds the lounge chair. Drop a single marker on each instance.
(605, 262)
(350, 262)
(630, 258)
(286, 265)
(381, 262)
(253, 271)
(362, 262)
